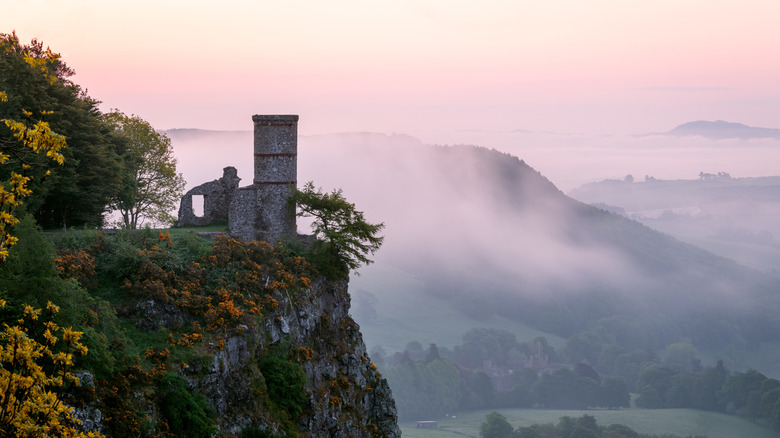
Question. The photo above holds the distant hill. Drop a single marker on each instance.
(720, 129)
(490, 236)
(738, 218)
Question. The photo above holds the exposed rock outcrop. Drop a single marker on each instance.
(347, 397)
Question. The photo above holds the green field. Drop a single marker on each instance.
(406, 312)
(216, 228)
(682, 422)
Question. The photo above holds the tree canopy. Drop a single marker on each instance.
(37, 84)
(342, 234)
(24, 145)
(495, 426)
(150, 185)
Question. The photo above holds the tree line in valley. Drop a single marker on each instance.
(585, 426)
(491, 369)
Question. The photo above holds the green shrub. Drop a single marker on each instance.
(285, 381)
(254, 432)
(187, 414)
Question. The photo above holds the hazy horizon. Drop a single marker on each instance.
(569, 161)
(426, 68)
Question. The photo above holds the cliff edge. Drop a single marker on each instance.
(345, 394)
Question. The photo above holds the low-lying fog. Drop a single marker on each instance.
(449, 224)
(399, 180)
(568, 160)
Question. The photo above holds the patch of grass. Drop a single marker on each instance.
(682, 422)
(214, 228)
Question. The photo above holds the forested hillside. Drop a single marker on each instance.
(488, 234)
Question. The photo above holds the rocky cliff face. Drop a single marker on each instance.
(346, 395)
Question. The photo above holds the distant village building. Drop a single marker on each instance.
(260, 211)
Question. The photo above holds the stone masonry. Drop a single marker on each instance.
(217, 196)
(259, 211)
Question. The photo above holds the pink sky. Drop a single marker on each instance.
(420, 67)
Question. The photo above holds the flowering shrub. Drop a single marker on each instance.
(32, 372)
(236, 282)
(76, 264)
(221, 293)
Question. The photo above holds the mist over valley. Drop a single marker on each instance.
(514, 219)
(479, 236)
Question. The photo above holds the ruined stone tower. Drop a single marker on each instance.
(261, 211)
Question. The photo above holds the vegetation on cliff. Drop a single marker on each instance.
(178, 337)
(185, 334)
(343, 239)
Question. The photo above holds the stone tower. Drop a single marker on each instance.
(260, 211)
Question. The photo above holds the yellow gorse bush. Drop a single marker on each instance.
(29, 404)
(36, 136)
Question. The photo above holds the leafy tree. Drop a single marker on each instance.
(619, 431)
(679, 395)
(563, 389)
(737, 388)
(343, 236)
(36, 84)
(770, 407)
(649, 398)
(705, 389)
(585, 427)
(565, 426)
(495, 426)
(660, 378)
(32, 371)
(28, 143)
(150, 186)
(680, 354)
(480, 344)
(425, 390)
(614, 393)
(483, 387)
(413, 347)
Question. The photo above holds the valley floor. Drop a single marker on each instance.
(682, 422)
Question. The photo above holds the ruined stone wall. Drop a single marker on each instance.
(243, 213)
(217, 197)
